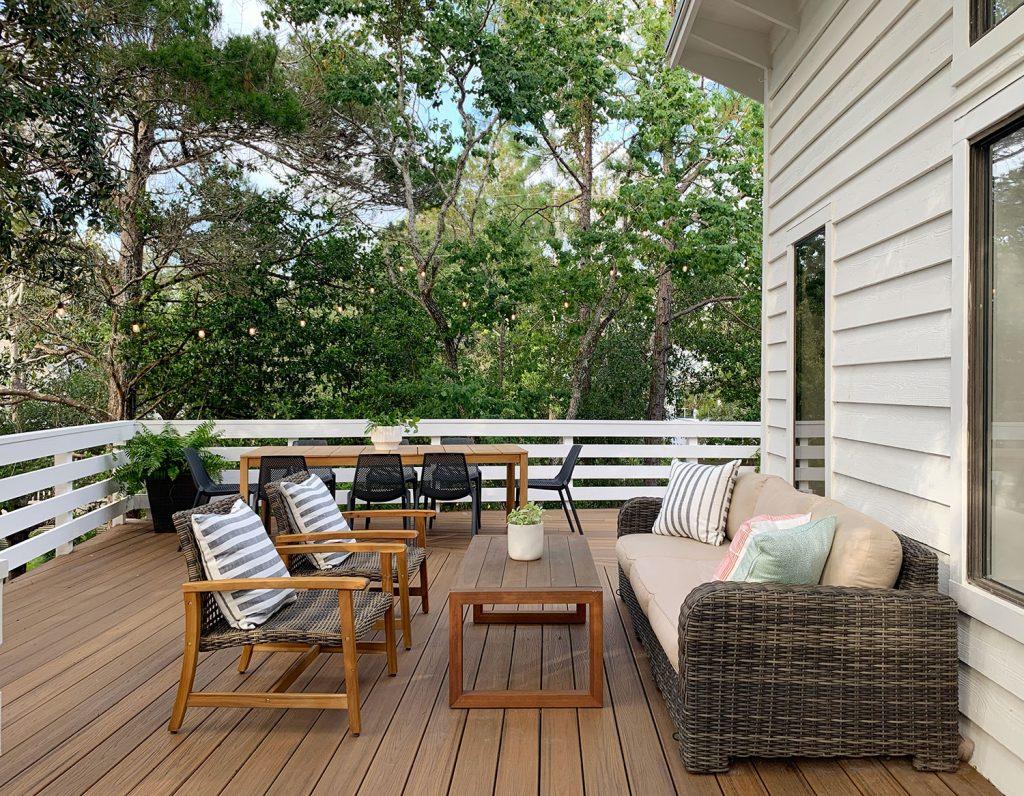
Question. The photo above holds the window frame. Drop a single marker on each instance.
(979, 330)
(981, 19)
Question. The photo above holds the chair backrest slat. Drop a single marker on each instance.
(379, 477)
(445, 476)
(202, 480)
(568, 465)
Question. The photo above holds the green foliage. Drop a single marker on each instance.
(530, 514)
(162, 455)
(409, 425)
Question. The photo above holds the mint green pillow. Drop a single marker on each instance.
(793, 555)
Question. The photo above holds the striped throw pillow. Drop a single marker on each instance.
(236, 545)
(762, 523)
(696, 502)
(313, 510)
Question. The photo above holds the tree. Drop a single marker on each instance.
(53, 176)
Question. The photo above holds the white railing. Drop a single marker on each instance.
(809, 474)
(613, 450)
(69, 491)
(56, 508)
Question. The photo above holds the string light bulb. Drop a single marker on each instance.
(686, 268)
(338, 308)
(512, 317)
(302, 322)
(401, 269)
(61, 310)
(252, 331)
(565, 304)
(136, 328)
(423, 274)
(464, 304)
(201, 334)
(372, 290)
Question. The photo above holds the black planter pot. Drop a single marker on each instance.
(167, 497)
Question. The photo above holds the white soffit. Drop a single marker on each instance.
(730, 41)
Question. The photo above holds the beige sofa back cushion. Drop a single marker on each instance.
(864, 552)
(744, 498)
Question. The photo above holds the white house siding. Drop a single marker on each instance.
(861, 105)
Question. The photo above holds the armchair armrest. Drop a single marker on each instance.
(340, 547)
(637, 515)
(288, 538)
(237, 584)
(384, 513)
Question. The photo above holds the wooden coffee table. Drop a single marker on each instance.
(564, 574)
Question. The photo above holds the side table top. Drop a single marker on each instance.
(566, 564)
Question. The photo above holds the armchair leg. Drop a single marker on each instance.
(244, 658)
(403, 600)
(389, 639)
(189, 659)
(351, 659)
(424, 594)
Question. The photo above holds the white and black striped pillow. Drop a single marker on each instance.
(313, 510)
(236, 545)
(696, 502)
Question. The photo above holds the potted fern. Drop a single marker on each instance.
(526, 533)
(156, 463)
(386, 430)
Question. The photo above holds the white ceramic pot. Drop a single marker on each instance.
(526, 542)
(386, 438)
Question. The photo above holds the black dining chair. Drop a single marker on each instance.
(474, 471)
(560, 484)
(379, 478)
(326, 474)
(206, 487)
(444, 479)
(275, 468)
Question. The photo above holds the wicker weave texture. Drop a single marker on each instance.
(772, 670)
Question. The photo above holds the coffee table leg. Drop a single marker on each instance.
(597, 648)
(454, 649)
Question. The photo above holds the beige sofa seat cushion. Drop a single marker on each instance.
(661, 585)
(779, 497)
(744, 499)
(632, 546)
(864, 552)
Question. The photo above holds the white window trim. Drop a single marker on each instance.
(1001, 614)
(797, 232)
(969, 59)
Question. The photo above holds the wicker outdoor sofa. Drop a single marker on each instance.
(768, 670)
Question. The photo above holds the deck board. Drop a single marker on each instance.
(91, 657)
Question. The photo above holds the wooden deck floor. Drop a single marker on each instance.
(90, 660)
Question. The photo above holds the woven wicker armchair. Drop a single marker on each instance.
(363, 562)
(331, 615)
(769, 670)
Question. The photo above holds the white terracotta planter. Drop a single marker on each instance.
(526, 542)
(386, 438)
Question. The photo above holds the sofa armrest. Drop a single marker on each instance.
(920, 567)
(873, 670)
(637, 515)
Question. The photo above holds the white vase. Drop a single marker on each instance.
(526, 542)
(386, 438)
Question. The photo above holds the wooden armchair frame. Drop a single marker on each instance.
(417, 535)
(200, 615)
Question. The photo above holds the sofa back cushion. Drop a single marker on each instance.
(777, 496)
(864, 552)
(744, 498)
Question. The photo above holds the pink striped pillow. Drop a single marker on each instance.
(762, 523)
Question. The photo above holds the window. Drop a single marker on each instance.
(809, 362)
(996, 408)
(986, 14)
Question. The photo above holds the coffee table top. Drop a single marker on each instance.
(566, 565)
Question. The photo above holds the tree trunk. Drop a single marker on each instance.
(132, 249)
(661, 347)
(449, 347)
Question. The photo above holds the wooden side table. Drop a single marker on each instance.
(565, 574)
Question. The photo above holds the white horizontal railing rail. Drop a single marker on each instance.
(620, 458)
(56, 510)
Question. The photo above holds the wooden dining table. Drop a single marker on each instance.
(512, 456)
